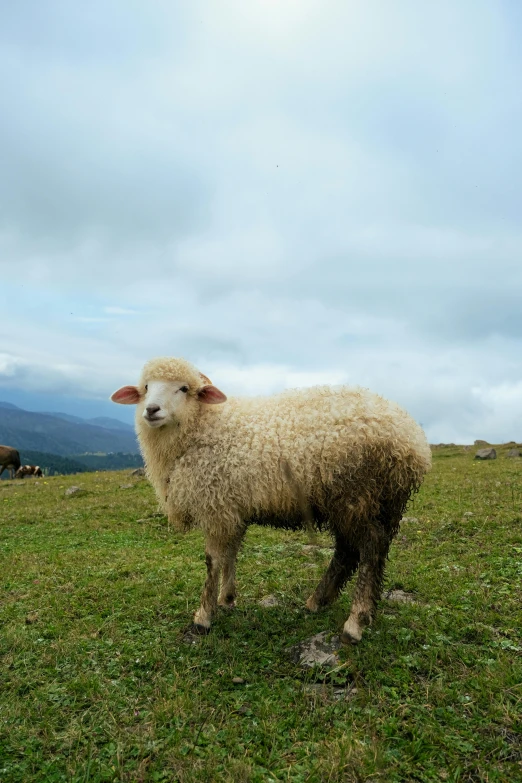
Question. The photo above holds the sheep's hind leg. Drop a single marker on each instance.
(227, 595)
(368, 587)
(342, 565)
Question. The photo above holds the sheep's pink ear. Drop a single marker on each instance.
(127, 395)
(211, 395)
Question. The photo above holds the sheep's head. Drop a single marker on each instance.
(168, 392)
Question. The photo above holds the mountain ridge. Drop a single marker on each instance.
(60, 435)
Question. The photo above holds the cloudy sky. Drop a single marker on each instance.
(286, 192)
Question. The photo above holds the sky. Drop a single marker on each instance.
(285, 193)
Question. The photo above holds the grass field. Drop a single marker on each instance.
(98, 683)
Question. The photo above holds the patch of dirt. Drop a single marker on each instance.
(330, 693)
(401, 596)
(308, 549)
(319, 650)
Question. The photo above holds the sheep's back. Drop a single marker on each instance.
(263, 451)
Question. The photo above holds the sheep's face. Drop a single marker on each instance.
(162, 403)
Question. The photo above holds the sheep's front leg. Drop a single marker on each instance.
(227, 595)
(208, 606)
(220, 554)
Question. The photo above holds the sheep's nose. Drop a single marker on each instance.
(152, 409)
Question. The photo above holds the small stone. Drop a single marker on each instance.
(343, 694)
(138, 472)
(400, 596)
(126, 486)
(513, 453)
(486, 454)
(268, 601)
(327, 693)
(468, 514)
(238, 681)
(413, 520)
(318, 650)
(73, 490)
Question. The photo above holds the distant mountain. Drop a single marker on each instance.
(100, 421)
(64, 416)
(110, 424)
(59, 435)
(9, 405)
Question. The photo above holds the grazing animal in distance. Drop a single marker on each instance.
(349, 456)
(9, 460)
(29, 470)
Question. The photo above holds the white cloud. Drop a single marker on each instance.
(112, 310)
(283, 192)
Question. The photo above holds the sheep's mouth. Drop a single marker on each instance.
(154, 421)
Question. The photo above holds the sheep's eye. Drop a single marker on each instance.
(184, 389)
(146, 387)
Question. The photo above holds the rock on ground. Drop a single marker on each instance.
(513, 453)
(73, 490)
(268, 601)
(319, 650)
(138, 472)
(486, 454)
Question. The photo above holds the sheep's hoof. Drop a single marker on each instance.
(227, 605)
(194, 633)
(312, 604)
(347, 638)
(200, 630)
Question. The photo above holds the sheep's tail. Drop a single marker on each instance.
(304, 505)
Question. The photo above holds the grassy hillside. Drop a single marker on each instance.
(116, 461)
(53, 464)
(99, 684)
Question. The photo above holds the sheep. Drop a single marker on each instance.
(9, 460)
(349, 456)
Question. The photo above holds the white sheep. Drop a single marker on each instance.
(350, 457)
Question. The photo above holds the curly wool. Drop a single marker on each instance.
(351, 454)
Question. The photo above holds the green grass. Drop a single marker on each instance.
(98, 684)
